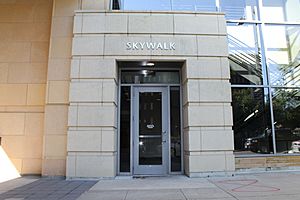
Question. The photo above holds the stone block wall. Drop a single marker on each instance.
(24, 45)
(100, 40)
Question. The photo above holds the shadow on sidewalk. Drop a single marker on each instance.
(46, 189)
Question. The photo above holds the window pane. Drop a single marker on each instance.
(185, 5)
(245, 55)
(116, 5)
(283, 51)
(252, 122)
(150, 76)
(286, 10)
(125, 130)
(205, 5)
(147, 5)
(242, 9)
(286, 107)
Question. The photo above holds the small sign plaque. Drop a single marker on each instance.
(168, 46)
(150, 126)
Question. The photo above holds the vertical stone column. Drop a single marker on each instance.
(57, 97)
(92, 134)
(208, 137)
(207, 112)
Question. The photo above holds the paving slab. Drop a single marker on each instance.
(205, 193)
(104, 195)
(163, 194)
(169, 182)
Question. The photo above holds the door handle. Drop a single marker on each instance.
(164, 132)
(164, 141)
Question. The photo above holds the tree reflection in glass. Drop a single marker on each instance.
(252, 124)
(286, 107)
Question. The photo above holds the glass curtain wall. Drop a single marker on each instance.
(264, 56)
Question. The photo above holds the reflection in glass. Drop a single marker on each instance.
(252, 122)
(245, 55)
(147, 5)
(286, 107)
(150, 128)
(239, 10)
(283, 52)
(194, 5)
(185, 5)
(150, 76)
(205, 5)
(286, 10)
(175, 129)
(125, 130)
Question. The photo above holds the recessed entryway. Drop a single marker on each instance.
(150, 139)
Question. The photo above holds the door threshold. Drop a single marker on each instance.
(150, 175)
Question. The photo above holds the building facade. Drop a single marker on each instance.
(99, 88)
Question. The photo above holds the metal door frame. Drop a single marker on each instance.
(132, 85)
(151, 169)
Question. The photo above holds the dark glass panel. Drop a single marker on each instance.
(245, 55)
(150, 128)
(252, 121)
(116, 5)
(150, 76)
(286, 108)
(125, 130)
(175, 129)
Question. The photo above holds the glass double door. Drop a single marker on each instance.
(150, 131)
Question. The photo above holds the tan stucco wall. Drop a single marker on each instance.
(24, 44)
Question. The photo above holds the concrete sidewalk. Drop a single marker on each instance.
(263, 186)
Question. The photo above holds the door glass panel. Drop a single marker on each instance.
(125, 130)
(175, 129)
(150, 128)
